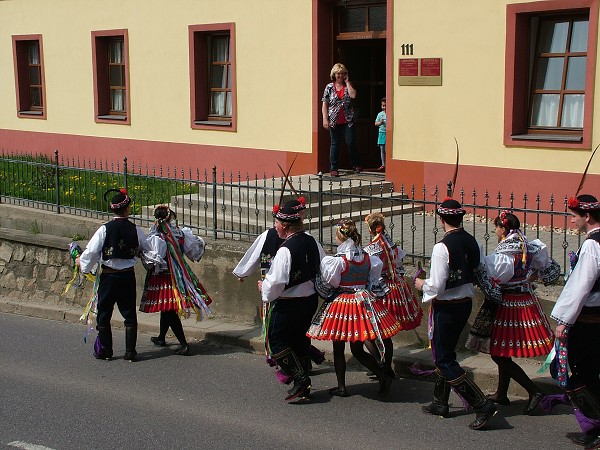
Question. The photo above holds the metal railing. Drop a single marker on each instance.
(227, 205)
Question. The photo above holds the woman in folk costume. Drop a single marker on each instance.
(289, 289)
(171, 286)
(519, 327)
(351, 313)
(399, 299)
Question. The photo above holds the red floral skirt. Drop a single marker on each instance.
(351, 317)
(402, 303)
(520, 328)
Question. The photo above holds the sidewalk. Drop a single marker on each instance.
(247, 337)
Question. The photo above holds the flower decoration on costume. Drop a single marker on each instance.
(504, 219)
(343, 228)
(302, 201)
(583, 206)
(289, 211)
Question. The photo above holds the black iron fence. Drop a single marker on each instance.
(227, 205)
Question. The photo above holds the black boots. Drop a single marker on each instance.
(441, 394)
(291, 365)
(130, 341)
(484, 408)
(103, 345)
(587, 413)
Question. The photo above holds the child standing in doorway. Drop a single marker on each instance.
(380, 122)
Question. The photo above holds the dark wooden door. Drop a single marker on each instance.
(365, 61)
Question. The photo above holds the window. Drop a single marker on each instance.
(212, 77)
(111, 76)
(366, 22)
(29, 76)
(550, 65)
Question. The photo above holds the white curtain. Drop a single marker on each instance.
(572, 114)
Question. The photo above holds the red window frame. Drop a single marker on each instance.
(517, 78)
(23, 84)
(102, 88)
(200, 89)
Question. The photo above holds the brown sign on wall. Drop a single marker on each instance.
(420, 72)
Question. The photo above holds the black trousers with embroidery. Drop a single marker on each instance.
(288, 323)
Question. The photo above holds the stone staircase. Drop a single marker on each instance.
(246, 206)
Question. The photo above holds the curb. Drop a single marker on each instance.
(247, 337)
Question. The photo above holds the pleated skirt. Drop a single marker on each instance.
(351, 317)
(520, 328)
(402, 303)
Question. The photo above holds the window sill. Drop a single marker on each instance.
(111, 117)
(547, 137)
(218, 123)
(31, 113)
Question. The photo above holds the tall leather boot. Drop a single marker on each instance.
(103, 344)
(587, 413)
(290, 364)
(484, 408)
(130, 341)
(441, 394)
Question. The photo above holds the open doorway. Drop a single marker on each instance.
(358, 40)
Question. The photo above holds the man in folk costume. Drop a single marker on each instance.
(289, 288)
(450, 290)
(577, 312)
(261, 254)
(115, 246)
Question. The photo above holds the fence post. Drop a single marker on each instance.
(57, 182)
(449, 190)
(320, 206)
(214, 200)
(125, 171)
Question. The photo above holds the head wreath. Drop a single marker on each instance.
(450, 207)
(503, 218)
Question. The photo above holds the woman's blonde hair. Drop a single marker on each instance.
(375, 222)
(337, 68)
(346, 229)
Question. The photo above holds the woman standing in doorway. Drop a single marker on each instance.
(338, 117)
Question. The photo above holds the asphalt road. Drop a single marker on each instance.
(54, 394)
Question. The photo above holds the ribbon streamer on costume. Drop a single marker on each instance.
(75, 251)
(548, 361)
(187, 289)
(91, 308)
(372, 315)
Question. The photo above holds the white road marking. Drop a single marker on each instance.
(28, 446)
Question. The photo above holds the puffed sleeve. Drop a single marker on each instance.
(154, 255)
(500, 267)
(251, 259)
(549, 269)
(331, 270)
(193, 246)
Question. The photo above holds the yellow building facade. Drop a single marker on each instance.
(237, 84)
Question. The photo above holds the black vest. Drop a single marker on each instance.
(270, 247)
(121, 240)
(305, 258)
(463, 253)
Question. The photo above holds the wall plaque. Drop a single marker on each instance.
(420, 72)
